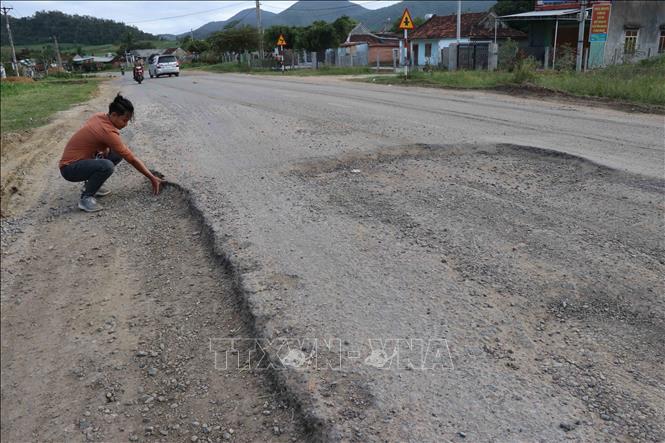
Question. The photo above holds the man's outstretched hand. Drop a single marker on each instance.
(157, 184)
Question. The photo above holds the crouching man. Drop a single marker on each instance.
(93, 151)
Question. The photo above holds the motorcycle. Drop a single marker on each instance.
(138, 74)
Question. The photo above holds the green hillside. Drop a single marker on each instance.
(82, 30)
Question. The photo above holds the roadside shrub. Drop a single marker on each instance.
(65, 74)
(508, 55)
(565, 58)
(209, 57)
(525, 70)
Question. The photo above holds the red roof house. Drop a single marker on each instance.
(428, 40)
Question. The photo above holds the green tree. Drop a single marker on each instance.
(343, 26)
(195, 46)
(507, 7)
(318, 37)
(234, 40)
(127, 42)
(144, 44)
(290, 33)
(47, 54)
(508, 54)
(185, 41)
(231, 24)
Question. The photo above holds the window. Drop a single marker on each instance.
(428, 49)
(661, 42)
(630, 41)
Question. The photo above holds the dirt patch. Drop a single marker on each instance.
(107, 325)
(533, 91)
(108, 318)
(541, 93)
(26, 155)
(570, 250)
(18, 80)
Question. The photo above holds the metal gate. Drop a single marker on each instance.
(472, 56)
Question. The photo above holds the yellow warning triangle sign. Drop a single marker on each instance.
(406, 22)
(281, 41)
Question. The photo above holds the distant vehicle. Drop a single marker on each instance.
(138, 74)
(163, 65)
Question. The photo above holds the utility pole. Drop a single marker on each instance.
(258, 28)
(580, 36)
(459, 21)
(5, 11)
(57, 52)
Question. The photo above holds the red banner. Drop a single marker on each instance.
(600, 18)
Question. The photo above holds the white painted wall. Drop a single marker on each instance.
(437, 46)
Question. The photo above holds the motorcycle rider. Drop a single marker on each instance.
(138, 71)
(94, 150)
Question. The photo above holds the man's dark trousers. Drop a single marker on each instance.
(93, 172)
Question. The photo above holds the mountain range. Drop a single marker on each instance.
(304, 12)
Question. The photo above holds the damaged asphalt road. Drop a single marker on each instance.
(429, 265)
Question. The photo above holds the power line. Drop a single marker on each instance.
(182, 15)
(334, 8)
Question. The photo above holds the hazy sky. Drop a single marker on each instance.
(159, 17)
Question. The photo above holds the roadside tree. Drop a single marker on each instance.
(506, 7)
(234, 40)
(290, 33)
(195, 46)
(318, 37)
(343, 26)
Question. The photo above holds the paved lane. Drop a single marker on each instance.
(325, 195)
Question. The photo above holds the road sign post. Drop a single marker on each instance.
(281, 42)
(406, 23)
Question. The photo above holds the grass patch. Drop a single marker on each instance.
(643, 82)
(328, 70)
(28, 105)
(637, 83)
(225, 67)
(452, 79)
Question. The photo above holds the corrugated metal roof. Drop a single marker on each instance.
(543, 14)
(362, 34)
(92, 58)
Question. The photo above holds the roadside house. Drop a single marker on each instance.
(428, 41)
(636, 30)
(142, 54)
(363, 47)
(94, 63)
(179, 53)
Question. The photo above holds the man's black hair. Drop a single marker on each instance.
(121, 106)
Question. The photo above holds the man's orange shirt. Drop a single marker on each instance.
(97, 134)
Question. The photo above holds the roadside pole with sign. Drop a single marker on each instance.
(600, 21)
(406, 23)
(281, 42)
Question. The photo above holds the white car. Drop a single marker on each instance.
(163, 65)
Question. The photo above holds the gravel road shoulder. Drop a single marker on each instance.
(107, 321)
